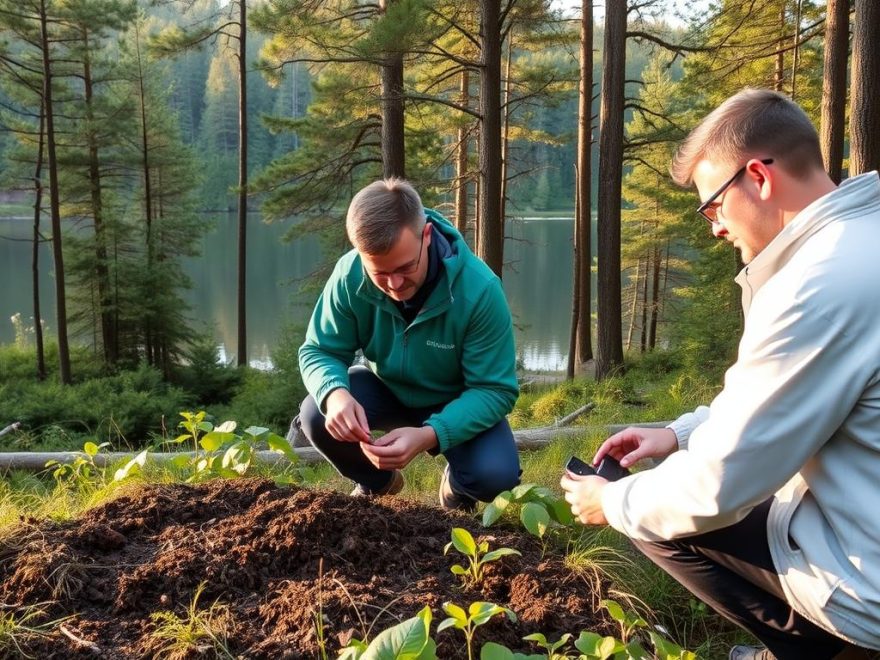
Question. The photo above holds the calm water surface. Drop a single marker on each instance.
(537, 281)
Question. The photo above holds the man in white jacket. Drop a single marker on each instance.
(767, 505)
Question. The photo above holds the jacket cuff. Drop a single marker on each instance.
(442, 433)
(324, 391)
(685, 425)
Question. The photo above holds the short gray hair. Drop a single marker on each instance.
(751, 123)
(379, 212)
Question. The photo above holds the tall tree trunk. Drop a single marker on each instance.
(610, 346)
(655, 301)
(462, 176)
(109, 335)
(505, 133)
(35, 255)
(393, 152)
(643, 328)
(864, 127)
(149, 339)
(584, 217)
(572, 335)
(54, 202)
(242, 183)
(834, 87)
(489, 246)
(795, 60)
(779, 74)
(633, 308)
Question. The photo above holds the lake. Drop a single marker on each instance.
(537, 280)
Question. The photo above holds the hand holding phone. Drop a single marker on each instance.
(608, 469)
(578, 467)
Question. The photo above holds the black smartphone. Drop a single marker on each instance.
(578, 467)
(611, 470)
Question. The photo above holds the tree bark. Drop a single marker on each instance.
(54, 202)
(35, 255)
(779, 74)
(505, 133)
(393, 151)
(462, 176)
(242, 183)
(584, 219)
(610, 346)
(109, 335)
(834, 87)
(865, 106)
(149, 340)
(489, 246)
(795, 60)
(655, 302)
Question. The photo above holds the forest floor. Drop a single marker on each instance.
(272, 561)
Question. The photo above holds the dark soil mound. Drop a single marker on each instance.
(272, 558)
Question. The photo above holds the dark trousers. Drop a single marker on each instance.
(480, 468)
(731, 570)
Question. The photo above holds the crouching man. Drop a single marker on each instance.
(436, 334)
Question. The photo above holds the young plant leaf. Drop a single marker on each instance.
(405, 641)
(279, 444)
(535, 518)
(214, 440)
(463, 541)
(498, 553)
(495, 508)
(134, 466)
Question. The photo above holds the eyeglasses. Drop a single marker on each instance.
(409, 269)
(710, 212)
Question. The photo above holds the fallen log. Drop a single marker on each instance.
(526, 439)
(9, 429)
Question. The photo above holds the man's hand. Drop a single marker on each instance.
(345, 418)
(395, 450)
(634, 444)
(584, 494)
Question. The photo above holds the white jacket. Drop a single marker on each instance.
(798, 419)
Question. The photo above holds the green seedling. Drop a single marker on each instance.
(478, 613)
(220, 452)
(408, 640)
(83, 469)
(550, 648)
(597, 647)
(478, 555)
(628, 621)
(540, 509)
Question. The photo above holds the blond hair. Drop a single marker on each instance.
(751, 123)
(378, 213)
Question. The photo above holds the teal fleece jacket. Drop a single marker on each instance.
(458, 352)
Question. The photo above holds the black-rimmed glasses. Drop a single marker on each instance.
(709, 212)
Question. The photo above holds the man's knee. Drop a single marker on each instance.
(311, 420)
(486, 481)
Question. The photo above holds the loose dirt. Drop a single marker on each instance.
(272, 558)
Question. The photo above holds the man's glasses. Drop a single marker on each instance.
(409, 269)
(708, 209)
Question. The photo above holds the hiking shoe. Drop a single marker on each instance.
(750, 653)
(451, 500)
(393, 487)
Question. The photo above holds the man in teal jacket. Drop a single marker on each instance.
(435, 331)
